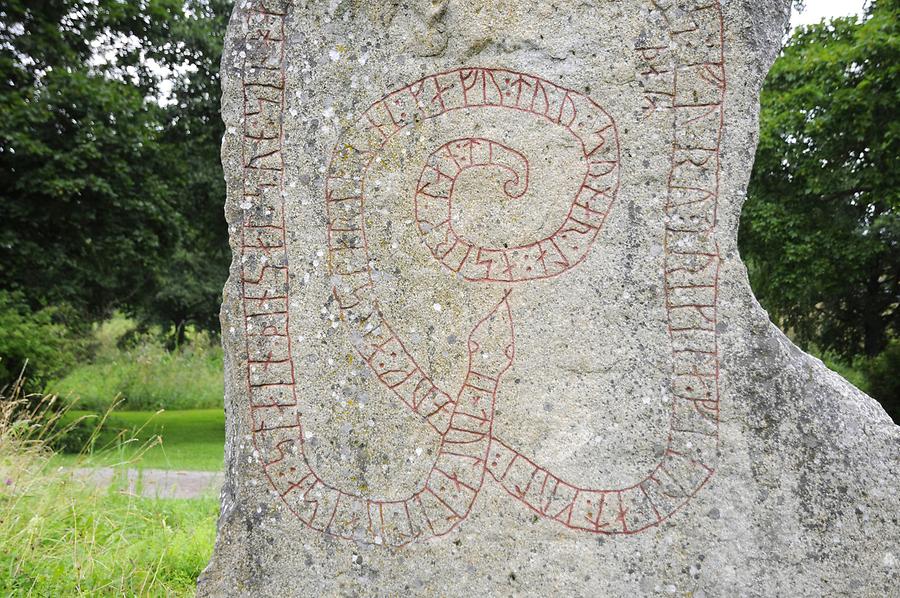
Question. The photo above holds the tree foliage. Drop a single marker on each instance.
(87, 212)
(40, 340)
(110, 199)
(189, 288)
(821, 229)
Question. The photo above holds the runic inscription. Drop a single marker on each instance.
(684, 76)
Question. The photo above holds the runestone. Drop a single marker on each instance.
(487, 329)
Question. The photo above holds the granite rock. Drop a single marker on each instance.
(487, 329)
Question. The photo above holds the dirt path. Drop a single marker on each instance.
(155, 483)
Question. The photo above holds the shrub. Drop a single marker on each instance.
(853, 372)
(39, 338)
(883, 374)
(138, 370)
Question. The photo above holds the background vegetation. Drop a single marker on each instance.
(138, 371)
(113, 253)
(60, 536)
(112, 189)
(821, 230)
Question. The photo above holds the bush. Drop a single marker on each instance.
(883, 374)
(853, 372)
(878, 377)
(39, 338)
(145, 376)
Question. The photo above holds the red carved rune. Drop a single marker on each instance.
(689, 83)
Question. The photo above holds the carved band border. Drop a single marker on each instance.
(686, 76)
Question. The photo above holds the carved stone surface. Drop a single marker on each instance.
(487, 330)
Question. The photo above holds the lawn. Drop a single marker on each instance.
(61, 535)
(68, 540)
(192, 439)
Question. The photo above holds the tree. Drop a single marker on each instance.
(110, 200)
(821, 230)
(36, 339)
(88, 210)
(189, 289)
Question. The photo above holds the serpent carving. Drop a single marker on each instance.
(470, 451)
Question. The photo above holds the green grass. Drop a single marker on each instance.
(189, 439)
(174, 396)
(60, 536)
(68, 540)
(145, 376)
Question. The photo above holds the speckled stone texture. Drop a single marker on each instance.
(487, 329)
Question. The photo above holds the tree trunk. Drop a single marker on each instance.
(874, 338)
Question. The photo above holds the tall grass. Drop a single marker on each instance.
(61, 536)
(146, 375)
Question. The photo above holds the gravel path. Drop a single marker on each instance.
(156, 483)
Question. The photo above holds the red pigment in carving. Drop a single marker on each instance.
(691, 85)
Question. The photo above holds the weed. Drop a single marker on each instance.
(61, 536)
(143, 373)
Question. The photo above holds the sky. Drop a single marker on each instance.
(816, 10)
